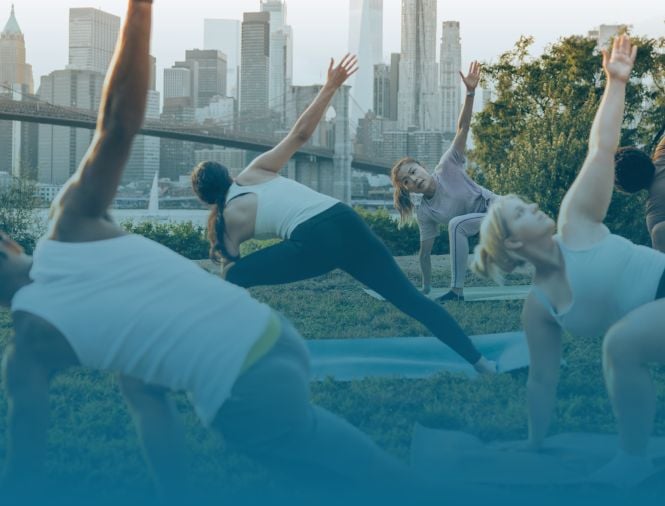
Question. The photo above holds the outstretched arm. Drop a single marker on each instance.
(589, 197)
(275, 159)
(464, 123)
(121, 113)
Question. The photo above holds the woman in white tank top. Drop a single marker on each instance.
(588, 281)
(319, 233)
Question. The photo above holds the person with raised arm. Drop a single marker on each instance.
(588, 282)
(94, 296)
(449, 197)
(319, 233)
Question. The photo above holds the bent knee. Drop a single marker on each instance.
(619, 346)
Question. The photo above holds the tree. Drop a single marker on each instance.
(532, 138)
(17, 212)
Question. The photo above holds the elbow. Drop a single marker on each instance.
(301, 136)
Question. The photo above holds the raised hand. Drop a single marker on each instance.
(340, 73)
(619, 64)
(473, 78)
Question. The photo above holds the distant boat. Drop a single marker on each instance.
(153, 202)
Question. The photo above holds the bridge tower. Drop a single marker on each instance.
(332, 177)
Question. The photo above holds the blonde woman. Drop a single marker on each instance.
(449, 197)
(587, 282)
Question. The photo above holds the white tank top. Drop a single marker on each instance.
(133, 306)
(607, 281)
(282, 205)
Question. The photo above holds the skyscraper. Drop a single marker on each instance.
(281, 55)
(224, 35)
(13, 66)
(62, 148)
(381, 87)
(17, 140)
(92, 38)
(418, 100)
(365, 41)
(450, 66)
(394, 84)
(176, 156)
(211, 79)
(255, 68)
(145, 155)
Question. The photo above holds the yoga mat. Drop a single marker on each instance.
(566, 459)
(409, 357)
(477, 293)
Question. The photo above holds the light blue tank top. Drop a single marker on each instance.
(607, 281)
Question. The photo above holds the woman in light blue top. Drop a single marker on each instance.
(588, 281)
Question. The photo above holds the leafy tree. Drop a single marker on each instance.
(17, 212)
(532, 138)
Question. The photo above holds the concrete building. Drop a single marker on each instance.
(281, 55)
(18, 141)
(381, 86)
(224, 35)
(255, 70)
(211, 68)
(450, 67)
(365, 41)
(13, 66)
(221, 111)
(605, 33)
(61, 149)
(92, 38)
(418, 100)
(144, 159)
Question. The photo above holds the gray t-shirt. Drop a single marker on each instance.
(456, 194)
(656, 200)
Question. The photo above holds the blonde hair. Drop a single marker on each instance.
(491, 257)
(401, 196)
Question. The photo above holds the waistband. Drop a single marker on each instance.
(265, 343)
(335, 211)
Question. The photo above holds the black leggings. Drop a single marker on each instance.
(339, 239)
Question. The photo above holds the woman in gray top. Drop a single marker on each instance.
(449, 197)
(636, 171)
(588, 282)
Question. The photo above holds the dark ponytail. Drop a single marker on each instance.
(211, 182)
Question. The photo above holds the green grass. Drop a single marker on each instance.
(91, 429)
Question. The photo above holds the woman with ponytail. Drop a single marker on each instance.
(319, 233)
(449, 197)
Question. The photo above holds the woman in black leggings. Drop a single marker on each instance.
(320, 233)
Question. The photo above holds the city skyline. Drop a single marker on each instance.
(45, 28)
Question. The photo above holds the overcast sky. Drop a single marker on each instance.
(488, 27)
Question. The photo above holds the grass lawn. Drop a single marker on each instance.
(92, 435)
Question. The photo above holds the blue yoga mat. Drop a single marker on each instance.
(410, 357)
